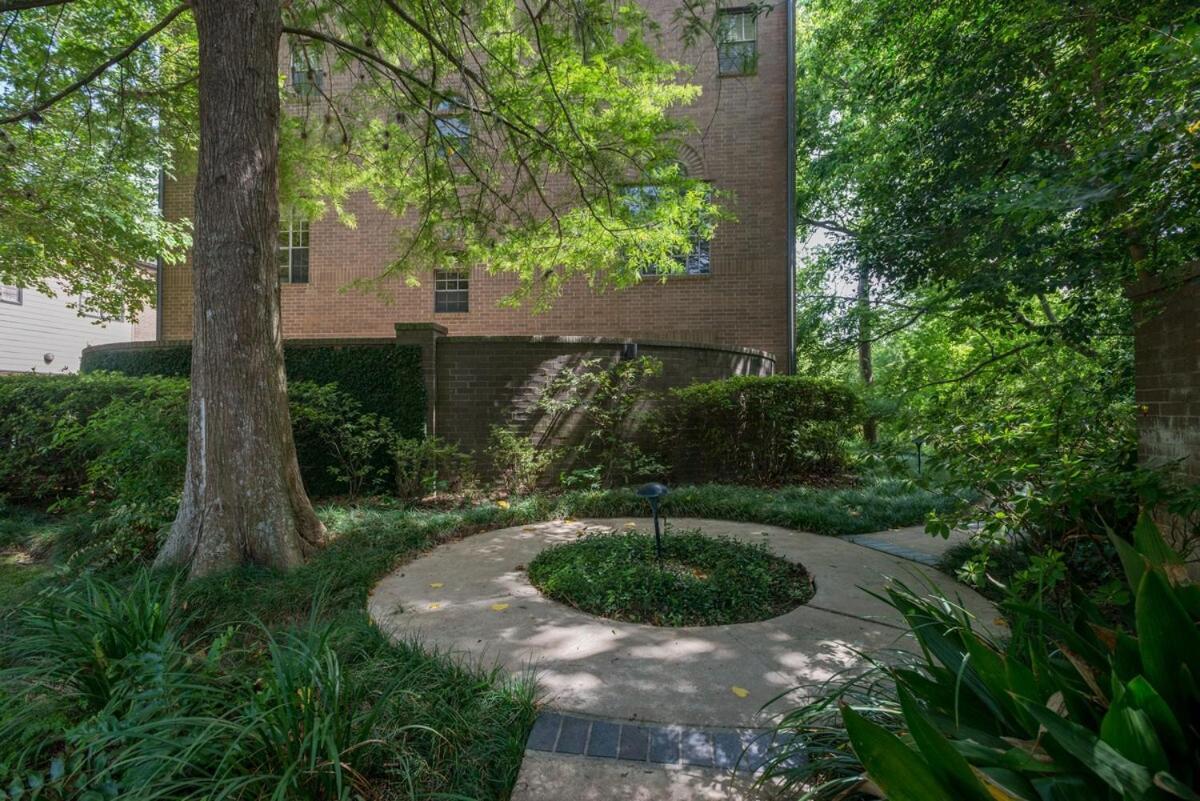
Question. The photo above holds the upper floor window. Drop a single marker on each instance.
(451, 291)
(737, 41)
(293, 250)
(11, 294)
(308, 78)
(452, 125)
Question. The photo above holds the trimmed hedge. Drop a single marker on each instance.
(756, 430)
(47, 446)
(385, 379)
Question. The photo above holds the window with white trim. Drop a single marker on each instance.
(451, 291)
(293, 250)
(308, 78)
(737, 41)
(11, 294)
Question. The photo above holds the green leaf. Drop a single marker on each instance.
(1131, 731)
(947, 763)
(1104, 761)
(1167, 641)
(1150, 543)
(898, 770)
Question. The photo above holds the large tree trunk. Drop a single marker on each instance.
(866, 369)
(243, 500)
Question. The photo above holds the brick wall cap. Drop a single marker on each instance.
(434, 327)
(304, 342)
(617, 342)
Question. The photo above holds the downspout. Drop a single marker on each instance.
(791, 185)
(158, 262)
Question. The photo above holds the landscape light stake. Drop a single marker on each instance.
(654, 492)
(919, 441)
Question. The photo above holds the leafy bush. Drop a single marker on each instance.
(752, 430)
(1067, 707)
(332, 432)
(606, 400)
(702, 581)
(518, 464)
(384, 378)
(117, 446)
(427, 465)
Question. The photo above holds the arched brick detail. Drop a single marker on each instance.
(692, 161)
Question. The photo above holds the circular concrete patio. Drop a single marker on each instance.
(471, 598)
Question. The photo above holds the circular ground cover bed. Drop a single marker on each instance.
(703, 581)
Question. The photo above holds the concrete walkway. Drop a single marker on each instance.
(472, 598)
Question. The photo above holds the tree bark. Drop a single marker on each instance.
(866, 369)
(243, 500)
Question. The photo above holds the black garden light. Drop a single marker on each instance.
(654, 492)
(919, 441)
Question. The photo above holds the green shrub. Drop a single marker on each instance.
(1069, 706)
(428, 465)
(703, 581)
(752, 430)
(607, 400)
(117, 446)
(385, 379)
(518, 464)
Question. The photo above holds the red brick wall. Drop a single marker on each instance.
(486, 381)
(740, 146)
(1167, 367)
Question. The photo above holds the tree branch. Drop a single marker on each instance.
(33, 112)
(979, 367)
(25, 5)
(828, 225)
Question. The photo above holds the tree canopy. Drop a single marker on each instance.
(1023, 158)
(507, 136)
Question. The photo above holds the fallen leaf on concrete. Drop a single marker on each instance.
(740, 692)
(437, 585)
(499, 607)
(435, 606)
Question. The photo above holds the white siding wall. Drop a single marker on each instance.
(43, 325)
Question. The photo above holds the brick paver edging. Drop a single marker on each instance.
(741, 750)
(890, 548)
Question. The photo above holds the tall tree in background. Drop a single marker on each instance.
(505, 131)
(1019, 160)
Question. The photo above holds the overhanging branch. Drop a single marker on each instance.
(33, 111)
(25, 5)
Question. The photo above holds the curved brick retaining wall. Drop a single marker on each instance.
(475, 382)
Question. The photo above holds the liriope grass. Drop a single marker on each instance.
(173, 707)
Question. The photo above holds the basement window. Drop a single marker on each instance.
(737, 41)
(293, 250)
(11, 294)
(451, 291)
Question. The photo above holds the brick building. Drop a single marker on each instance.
(740, 296)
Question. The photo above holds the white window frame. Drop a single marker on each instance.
(737, 41)
(12, 295)
(451, 291)
(697, 261)
(307, 76)
(295, 235)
